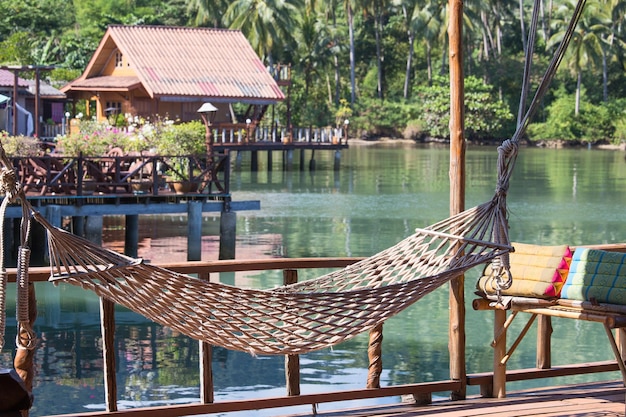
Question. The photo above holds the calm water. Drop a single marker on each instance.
(377, 198)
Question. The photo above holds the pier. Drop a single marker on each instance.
(87, 188)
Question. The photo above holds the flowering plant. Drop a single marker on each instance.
(19, 145)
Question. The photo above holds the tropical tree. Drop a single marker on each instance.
(207, 12)
(267, 24)
(586, 47)
(349, 8)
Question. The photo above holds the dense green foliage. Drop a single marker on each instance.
(398, 47)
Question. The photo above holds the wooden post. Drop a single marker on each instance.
(131, 237)
(194, 231)
(374, 353)
(15, 82)
(37, 103)
(254, 161)
(457, 192)
(93, 233)
(228, 232)
(107, 323)
(544, 336)
(292, 362)
(93, 229)
(620, 338)
(270, 160)
(206, 365)
(499, 351)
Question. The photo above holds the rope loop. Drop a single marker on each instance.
(8, 184)
(501, 278)
(26, 337)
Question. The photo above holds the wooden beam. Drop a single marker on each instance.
(457, 190)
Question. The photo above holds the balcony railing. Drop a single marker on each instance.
(140, 174)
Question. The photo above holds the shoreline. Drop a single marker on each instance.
(556, 144)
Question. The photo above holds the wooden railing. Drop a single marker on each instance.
(140, 174)
(245, 133)
(422, 392)
(242, 133)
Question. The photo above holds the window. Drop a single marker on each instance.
(119, 61)
(113, 108)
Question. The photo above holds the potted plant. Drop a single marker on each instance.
(178, 143)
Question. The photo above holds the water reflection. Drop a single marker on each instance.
(379, 197)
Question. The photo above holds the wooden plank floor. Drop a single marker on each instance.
(590, 400)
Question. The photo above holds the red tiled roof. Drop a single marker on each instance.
(7, 78)
(216, 64)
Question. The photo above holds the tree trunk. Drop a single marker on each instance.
(352, 57)
(579, 81)
(379, 52)
(409, 65)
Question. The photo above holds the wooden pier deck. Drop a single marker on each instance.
(588, 400)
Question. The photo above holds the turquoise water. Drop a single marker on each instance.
(381, 193)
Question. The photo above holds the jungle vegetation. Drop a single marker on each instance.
(380, 63)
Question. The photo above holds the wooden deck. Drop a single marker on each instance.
(589, 400)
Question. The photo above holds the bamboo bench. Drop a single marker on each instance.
(611, 316)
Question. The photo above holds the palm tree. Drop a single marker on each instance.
(614, 39)
(313, 45)
(208, 13)
(268, 24)
(586, 47)
(377, 9)
(349, 7)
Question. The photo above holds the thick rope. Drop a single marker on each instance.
(8, 186)
(507, 152)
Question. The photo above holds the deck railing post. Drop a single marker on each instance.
(374, 353)
(107, 325)
(207, 394)
(292, 362)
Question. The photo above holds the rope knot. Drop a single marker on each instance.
(506, 153)
(8, 184)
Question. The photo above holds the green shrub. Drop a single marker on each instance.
(593, 122)
(182, 139)
(485, 115)
(19, 145)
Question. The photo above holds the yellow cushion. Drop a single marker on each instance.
(538, 271)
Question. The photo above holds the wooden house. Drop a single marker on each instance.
(170, 72)
(24, 101)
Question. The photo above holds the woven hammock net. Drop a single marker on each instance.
(306, 316)
(286, 320)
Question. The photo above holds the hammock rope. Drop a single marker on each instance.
(305, 316)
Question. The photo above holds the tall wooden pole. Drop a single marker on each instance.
(456, 343)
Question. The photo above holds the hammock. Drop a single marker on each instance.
(301, 317)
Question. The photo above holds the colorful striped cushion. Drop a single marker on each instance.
(596, 275)
(538, 271)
